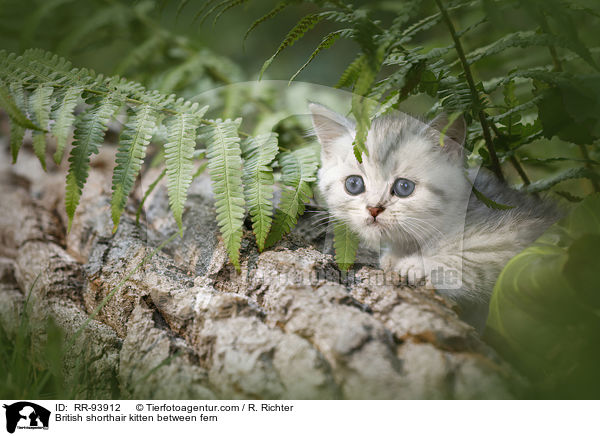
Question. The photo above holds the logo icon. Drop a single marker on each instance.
(26, 415)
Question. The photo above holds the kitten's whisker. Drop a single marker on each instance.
(317, 212)
(417, 234)
(427, 223)
(322, 220)
(425, 236)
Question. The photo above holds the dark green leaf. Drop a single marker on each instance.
(544, 310)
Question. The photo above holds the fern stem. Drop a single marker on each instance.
(474, 93)
(546, 28)
(513, 159)
(113, 291)
(589, 166)
(517, 165)
(138, 213)
(127, 100)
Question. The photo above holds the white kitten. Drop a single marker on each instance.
(412, 198)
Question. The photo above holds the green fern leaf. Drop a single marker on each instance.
(130, 155)
(17, 131)
(141, 53)
(362, 105)
(64, 119)
(421, 25)
(204, 7)
(40, 108)
(569, 197)
(326, 43)
(16, 114)
(225, 169)
(230, 5)
(182, 4)
(89, 134)
(568, 174)
(351, 73)
(221, 4)
(179, 151)
(345, 244)
(362, 108)
(259, 152)
(298, 170)
(272, 13)
(304, 25)
(524, 40)
(489, 202)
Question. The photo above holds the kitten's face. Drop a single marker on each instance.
(408, 189)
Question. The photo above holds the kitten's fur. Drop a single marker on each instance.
(441, 224)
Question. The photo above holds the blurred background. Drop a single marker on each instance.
(187, 47)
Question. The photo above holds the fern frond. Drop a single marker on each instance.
(221, 4)
(225, 169)
(182, 4)
(130, 155)
(489, 202)
(16, 114)
(362, 72)
(345, 244)
(326, 43)
(568, 174)
(64, 118)
(350, 74)
(45, 72)
(179, 150)
(94, 23)
(48, 67)
(141, 53)
(272, 13)
(298, 170)
(89, 135)
(304, 25)
(204, 7)
(40, 108)
(525, 39)
(258, 178)
(421, 25)
(230, 5)
(455, 95)
(17, 131)
(362, 108)
(176, 77)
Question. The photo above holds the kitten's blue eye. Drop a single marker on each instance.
(403, 187)
(355, 185)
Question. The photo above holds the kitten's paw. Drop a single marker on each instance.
(387, 262)
(410, 269)
(414, 275)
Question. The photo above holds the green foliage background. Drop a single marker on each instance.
(524, 72)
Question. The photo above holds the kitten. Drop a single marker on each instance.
(412, 197)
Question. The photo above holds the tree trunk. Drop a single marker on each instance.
(186, 325)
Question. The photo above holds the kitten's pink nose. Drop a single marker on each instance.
(375, 211)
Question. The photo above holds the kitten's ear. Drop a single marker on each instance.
(454, 129)
(330, 127)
